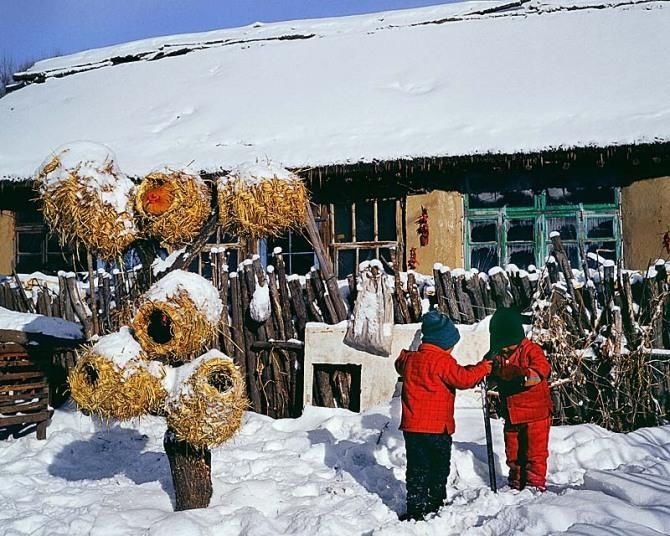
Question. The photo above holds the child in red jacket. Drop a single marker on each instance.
(521, 370)
(430, 378)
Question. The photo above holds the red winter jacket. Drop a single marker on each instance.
(430, 378)
(526, 404)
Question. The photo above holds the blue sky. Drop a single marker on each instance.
(33, 29)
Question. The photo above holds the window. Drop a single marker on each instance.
(363, 230)
(297, 252)
(36, 248)
(515, 227)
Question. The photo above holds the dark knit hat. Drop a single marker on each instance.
(438, 329)
(505, 328)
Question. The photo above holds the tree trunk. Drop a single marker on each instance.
(191, 470)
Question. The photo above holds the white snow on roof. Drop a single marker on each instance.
(437, 81)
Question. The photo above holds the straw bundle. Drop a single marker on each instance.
(172, 205)
(86, 198)
(206, 405)
(178, 317)
(258, 200)
(120, 387)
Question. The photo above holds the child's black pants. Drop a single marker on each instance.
(428, 463)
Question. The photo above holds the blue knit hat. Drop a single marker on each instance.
(438, 329)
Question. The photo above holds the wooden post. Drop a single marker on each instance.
(92, 294)
(399, 299)
(325, 265)
(191, 470)
(414, 299)
(447, 283)
(237, 329)
(250, 356)
(317, 315)
(499, 287)
(322, 296)
(298, 305)
(464, 303)
(80, 308)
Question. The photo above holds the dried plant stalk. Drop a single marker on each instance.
(172, 205)
(208, 404)
(173, 331)
(267, 207)
(100, 386)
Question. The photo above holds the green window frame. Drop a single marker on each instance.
(520, 235)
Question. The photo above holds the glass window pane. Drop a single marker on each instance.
(28, 263)
(231, 259)
(572, 252)
(574, 196)
(343, 231)
(29, 217)
(206, 265)
(365, 221)
(523, 255)
(607, 250)
(31, 242)
(484, 257)
(346, 262)
(518, 198)
(566, 226)
(520, 230)
(56, 261)
(385, 253)
(300, 263)
(299, 244)
(386, 220)
(279, 242)
(483, 231)
(600, 227)
(366, 255)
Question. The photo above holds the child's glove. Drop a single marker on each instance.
(487, 365)
(512, 372)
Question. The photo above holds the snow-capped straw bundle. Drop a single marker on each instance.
(173, 205)
(178, 317)
(207, 401)
(86, 197)
(261, 199)
(114, 379)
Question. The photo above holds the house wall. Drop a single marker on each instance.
(645, 208)
(324, 346)
(445, 224)
(7, 241)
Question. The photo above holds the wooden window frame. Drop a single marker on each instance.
(540, 212)
(376, 244)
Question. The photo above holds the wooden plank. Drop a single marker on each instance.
(24, 419)
(25, 375)
(23, 408)
(24, 397)
(23, 387)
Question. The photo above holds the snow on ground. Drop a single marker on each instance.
(329, 472)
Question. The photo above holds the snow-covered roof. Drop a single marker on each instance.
(457, 79)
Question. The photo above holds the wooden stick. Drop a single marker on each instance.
(325, 265)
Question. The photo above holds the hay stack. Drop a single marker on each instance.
(114, 379)
(86, 198)
(257, 200)
(178, 317)
(207, 401)
(173, 205)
